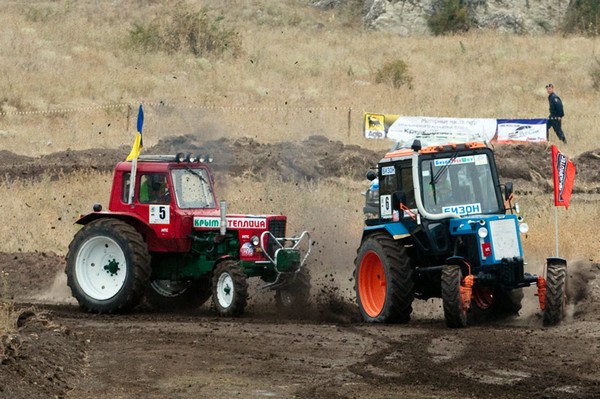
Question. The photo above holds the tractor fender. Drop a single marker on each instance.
(131, 219)
(459, 261)
(397, 230)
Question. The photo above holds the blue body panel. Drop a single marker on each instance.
(395, 229)
(491, 249)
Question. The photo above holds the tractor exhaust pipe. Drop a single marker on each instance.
(223, 224)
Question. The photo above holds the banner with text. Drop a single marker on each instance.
(434, 131)
(521, 130)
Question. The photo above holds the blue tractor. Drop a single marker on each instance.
(446, 228)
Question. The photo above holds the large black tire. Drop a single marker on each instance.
(108, 266)
(383, 280)
(454, 311)
(295, 296)
(230, 289)
(178, 295)
(554, 309)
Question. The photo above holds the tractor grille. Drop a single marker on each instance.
(277, 228)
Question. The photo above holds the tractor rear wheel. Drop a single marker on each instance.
(383, 280)
(230, 288)
(454, 311)
(554, 309)
(108, 266)
(178, 295)
(296, 295)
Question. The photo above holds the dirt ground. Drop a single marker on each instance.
(325, 351)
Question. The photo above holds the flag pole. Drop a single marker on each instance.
(556, 228)
(135, 153)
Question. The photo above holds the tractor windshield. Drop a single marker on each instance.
(192, 188)
(459, 184)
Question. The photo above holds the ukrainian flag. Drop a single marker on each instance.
(138, 143)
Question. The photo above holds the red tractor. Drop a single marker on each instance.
(168, 240)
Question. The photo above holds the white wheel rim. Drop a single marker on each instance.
(225, 290)
(101, 268)
(168, 288)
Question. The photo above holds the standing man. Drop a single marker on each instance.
(556, 114)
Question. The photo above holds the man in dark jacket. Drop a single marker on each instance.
(556, 114)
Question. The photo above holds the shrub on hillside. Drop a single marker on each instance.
(394, 72)
(449, 16)
(583, 16)
(595, 75)
(178, 28)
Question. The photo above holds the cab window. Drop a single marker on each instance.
(154, 189)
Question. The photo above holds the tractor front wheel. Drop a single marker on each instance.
(454, 311)
(108, 266)
(554, 309)
(178, 295)
(383, 280)
(494, 303)
(230, 289)
(296, 295)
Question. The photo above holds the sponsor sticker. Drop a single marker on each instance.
(247, 250)
(388, 170)
(467, 209)
(232, 223)
(455, 161)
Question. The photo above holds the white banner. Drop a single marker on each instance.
(435, 131)
(517, 130)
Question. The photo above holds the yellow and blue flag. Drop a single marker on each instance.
(138, 143)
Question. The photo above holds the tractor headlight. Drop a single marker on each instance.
(255, 241)
(523, 228)
(193, 158)
(482, 232)
(180, 157)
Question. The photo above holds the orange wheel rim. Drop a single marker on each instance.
(483, 297)
(371, 284)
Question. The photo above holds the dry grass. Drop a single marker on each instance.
(7, 317)
(299, 73)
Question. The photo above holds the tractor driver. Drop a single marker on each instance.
(153, 189)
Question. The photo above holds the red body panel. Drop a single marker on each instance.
(166, 227)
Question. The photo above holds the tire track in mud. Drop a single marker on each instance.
(499, 362)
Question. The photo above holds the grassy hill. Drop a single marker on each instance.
(74, 73)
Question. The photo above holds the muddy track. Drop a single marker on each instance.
(156, 355)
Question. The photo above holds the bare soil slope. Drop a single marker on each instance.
(322, 352)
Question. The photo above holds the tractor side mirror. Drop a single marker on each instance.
(508, 190)
(371, 175)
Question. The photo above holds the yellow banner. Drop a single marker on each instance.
(376, 125)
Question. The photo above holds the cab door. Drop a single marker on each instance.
(155, 204)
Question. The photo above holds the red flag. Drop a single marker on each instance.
(563, 172)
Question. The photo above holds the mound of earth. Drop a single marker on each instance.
(42, 359)
(315, 158)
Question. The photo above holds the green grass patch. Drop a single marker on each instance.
(181, 28)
